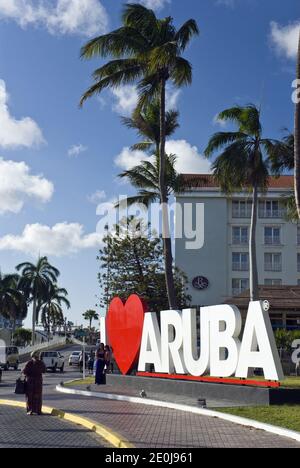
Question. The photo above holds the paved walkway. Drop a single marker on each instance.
(17, 430)
(151, 427)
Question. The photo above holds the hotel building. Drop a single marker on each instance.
(220, 270)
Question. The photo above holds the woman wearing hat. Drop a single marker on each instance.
(33, 372)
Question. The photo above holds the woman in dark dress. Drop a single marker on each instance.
(100, 365)
(33, 372)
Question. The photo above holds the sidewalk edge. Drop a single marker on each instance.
(110, 436)
(251, 423)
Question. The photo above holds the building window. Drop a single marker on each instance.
(273, 282)
(271, 209)
(272, 236)
(298, 263)
(239, 285)
(240, 261)
(241, 209)
(273, 262)
(240, 235)
(298, 234)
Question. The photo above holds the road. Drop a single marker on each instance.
(143, 426)
(17, 430)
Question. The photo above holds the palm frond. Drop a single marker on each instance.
(185, 33)
(221, 139)
(125, 41)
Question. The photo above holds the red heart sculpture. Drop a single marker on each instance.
(125, 327)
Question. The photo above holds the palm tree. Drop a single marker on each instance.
(13, 305)
(90, 315)
(145, 176)
(35, 280)
(51, 309)
(297, 138)
(147, 51)
(244, 164)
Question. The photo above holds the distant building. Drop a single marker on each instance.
(221, 268)
(8, 324)
(284, 305)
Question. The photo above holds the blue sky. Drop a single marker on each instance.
(59, 162)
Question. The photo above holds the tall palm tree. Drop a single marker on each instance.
(51, 309)
(148, 51)
(35, 279)
(297, 138)
(13, 305)
(244, 164)
(90, 315)
(145, 176)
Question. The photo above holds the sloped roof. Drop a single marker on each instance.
(208, 181)
(279, 297)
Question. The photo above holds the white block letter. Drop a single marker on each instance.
(172, 342)
(258, 348)
(225, 327)
(150, 347)
(195, 365)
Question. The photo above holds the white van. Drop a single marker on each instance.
(9, 357)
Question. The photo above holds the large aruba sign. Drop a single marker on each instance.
(171, 346)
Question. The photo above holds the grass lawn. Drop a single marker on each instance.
(283, 416)
(290, 382)
(88, 381)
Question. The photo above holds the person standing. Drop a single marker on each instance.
(33, 372)
(100, 378)
(107, 359)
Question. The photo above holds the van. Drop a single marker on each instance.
(9, 357)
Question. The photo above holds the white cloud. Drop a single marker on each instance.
(84, 17)
(189, 160)
(15, 133)
(17, 185)
(62, 239)
(285, 38)
(217, 121)
(76, 150)
(126, 99)
(228, 3)
(128, 159)
(154, 4)
(96, 197)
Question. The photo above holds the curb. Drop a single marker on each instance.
(110, 436)
(250, 423)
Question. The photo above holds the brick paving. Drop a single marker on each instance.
(17, 430)
(152, 427)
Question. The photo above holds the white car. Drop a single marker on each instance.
(74, 358)
(53, 360)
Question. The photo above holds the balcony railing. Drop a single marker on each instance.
(271, 240)
(272, 214)
(237, 266)
(273, 266)
(238, 240)
(241, 214)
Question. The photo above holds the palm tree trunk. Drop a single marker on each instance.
(297, 138)
(34, 319)
(254, 290)
(167, 245)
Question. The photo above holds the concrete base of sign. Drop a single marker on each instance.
(236, 394)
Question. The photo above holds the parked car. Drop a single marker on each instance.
(74, 358)
(53, 360)
(9, 357)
